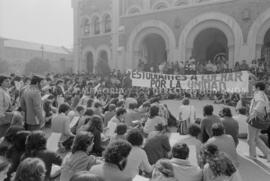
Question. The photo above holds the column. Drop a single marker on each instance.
(115, 34)
(75, 36)
(231, 57)
(258, 51)
(146, 5)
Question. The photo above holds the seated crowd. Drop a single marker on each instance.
(117, 139)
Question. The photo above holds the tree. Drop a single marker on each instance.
(4, 66)
(37, 65)
(102, 67)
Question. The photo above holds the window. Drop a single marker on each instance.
(86, 27)
(160, 5)
(96, 23)
(181, 2)
(134, 10)
(107, 23)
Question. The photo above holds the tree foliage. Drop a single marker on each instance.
(102, 67)
(37, 65)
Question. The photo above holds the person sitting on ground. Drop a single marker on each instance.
(153, 120)
(207, 122)
(115, 156)
(132, 115)
(137, 159)
(109, 114)
(78, 159)
(241, 118)
(117, 119)
(183, 169)
(85, 176)
(120, 133)
(87, 115)
(192, 139)
(231, 125)
(225, 143)
(36, 147)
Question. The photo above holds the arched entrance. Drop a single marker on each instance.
(266, 47)
(152, 51)
(89, 62)
(210, 44)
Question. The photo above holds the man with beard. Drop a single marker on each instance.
(115, 162)
(31, 104)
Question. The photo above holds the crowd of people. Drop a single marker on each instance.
(117, 135)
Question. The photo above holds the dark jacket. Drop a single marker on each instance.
(206, 126)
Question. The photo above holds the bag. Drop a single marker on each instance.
(259, 121)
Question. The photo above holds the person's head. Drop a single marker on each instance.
(98, 107)
(31, 169)
(218, 129)
(164, 167)
(64, 108)
(11, 133)
(89, 103)
(120, 104)
(207, 152)
(208, 110)
(85, 176)
(120, 113)
(260, 86)
(112, 107)
(60, 82)
(146, 106)
(80, 110)
(154, 111)
(82, 142)
(117, 152)
(185, 101)
(96, 123)
(20, 140)
(159, 127)
(35, 142)
(121, 129)
(132, 106)
(180, 151)
(226, 112)
(89, 112)
(27, 81)
(38, 80)
(242, 111)
(194, 130)
(135, 137)
(4, 81)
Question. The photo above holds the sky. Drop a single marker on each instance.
(41, 21)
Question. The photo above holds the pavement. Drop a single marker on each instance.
(250, 170)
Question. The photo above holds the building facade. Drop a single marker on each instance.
(122, 32)
(17, 53)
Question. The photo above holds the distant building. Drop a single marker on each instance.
(17, 53)
(125, 31)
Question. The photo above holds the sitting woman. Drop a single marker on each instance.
(163, 171)
(78, 159)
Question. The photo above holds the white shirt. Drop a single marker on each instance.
(187, 111)
(242, 121)
(137, 159)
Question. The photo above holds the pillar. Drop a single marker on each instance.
(258, 51)
(115, 30)
(231, 57)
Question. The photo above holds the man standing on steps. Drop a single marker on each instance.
(31, 104)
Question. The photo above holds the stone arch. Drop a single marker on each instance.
(135, 9)
(107, 49)
(220, 21)
(161, 3)
(83, 64)
(256, 34)
(145, 28)
(93, 25)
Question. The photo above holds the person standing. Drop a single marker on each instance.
(31, 104)
(5, 103)
(187, 114)
(259, 105)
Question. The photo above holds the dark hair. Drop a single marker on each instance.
(120, 103)
(89, 112)
(3, 78)
(11, 133)
(218, 129)
(242, 111)
(208, 110)
(154, 111)
(20, 140)
(63, 108)
(165, 167)
(82, 141)
(85, 176)
(260, 85)
(207, 152)
(96, 124)
(226, 112)
(120, 111)
(135, 137)
(194, 130)
(185, 101)
(116, 151)
(79, 108)
(159, 127)
(121, 129)
(97, 105)
(36, 79)
(132, 105)
(180, 151)
(35, 142)
(112, 107)
(146, 104)
(31, 169)
(90, 103)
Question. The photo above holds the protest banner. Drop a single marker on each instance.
(224, 82)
